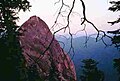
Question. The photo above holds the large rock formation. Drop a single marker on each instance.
(41, 48)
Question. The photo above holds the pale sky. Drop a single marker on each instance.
(96, 11)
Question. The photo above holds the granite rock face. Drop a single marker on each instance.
(42, 49)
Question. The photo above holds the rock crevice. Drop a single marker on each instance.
(38, 44)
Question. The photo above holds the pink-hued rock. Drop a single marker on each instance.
(41, 48)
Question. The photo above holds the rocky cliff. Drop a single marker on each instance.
(42, 49)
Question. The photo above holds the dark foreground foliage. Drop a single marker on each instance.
(12, 62)
(90, 72)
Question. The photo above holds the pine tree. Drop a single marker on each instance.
(12, 62)
(90, 72)
(116, 38)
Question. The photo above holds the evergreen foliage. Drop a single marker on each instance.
(117, 66)
(90, 72)
(116, 38)
(12, 62)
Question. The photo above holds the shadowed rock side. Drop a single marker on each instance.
(53, 63)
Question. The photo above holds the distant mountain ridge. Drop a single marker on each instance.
(95, 50)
